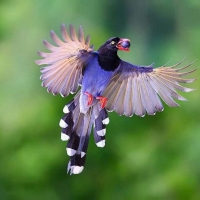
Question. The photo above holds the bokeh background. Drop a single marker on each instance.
(155, 157)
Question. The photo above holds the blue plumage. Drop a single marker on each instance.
(95, 79)
(108, 83)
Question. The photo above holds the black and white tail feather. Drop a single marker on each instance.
(76, 129)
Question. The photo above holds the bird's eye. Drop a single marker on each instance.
(112, 42)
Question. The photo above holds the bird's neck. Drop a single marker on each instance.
(108, 60)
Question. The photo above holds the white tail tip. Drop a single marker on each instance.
(106, 121)
(64, 137)
(101, 143)
(66, 109)
(101, 132)
(63, 124)
(70, 152)
(77, 169)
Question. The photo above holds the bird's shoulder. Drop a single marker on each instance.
(126, 67)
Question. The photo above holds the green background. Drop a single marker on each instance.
(155, 157)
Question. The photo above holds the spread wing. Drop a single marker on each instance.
(65, 61)
(136, 90)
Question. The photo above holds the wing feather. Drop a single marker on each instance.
(66, 87)
(56, 81)
(65, 61)
(72, 33)
(136, 102)
(168, 90)
(166, 97)
(146, 100)
(127, 98)
(140, 110)
(55, 74)
(175, 85)
(65, 34)
(133, 100)
(81, 35)
(153, 95)
(75, 81)
(87, 41)
(138, 89)
(120, 99)
(70, 82)
(112, 94)
(49, 46)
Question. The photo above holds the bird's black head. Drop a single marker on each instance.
(108, 58)
(114, 44)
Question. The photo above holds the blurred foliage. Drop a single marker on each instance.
(156, 157)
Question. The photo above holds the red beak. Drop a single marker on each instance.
(123, 44)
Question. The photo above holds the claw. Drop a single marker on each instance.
(89, 99)
(102, 101)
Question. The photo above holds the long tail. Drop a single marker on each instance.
(76, 129)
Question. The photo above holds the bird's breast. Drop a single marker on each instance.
(95, 79)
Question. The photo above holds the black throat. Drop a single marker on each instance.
(108, 60)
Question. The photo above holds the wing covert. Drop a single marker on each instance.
(65, 61)
(137, 89)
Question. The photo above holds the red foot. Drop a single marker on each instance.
(89, 99)
(102, 101)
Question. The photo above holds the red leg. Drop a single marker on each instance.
(102, 101)
(89, 99)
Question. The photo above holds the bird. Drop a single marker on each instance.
(103, 83)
